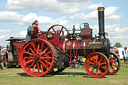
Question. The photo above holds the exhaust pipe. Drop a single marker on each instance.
(101, 21)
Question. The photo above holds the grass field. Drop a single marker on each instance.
(16, 76)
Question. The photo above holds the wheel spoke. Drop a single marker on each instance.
(103, 64)
(47, 53)
(44, 50)
(60, 30)
(112, 68)
(100, 71)
(92, 70)
(54, 30)
(111, 60)
(89, 62)
(28, 53)
(33, 47)
(41, 67)
(103, 68)
(115, 61)
(44, 64)
(47, 62)
(42, 44)
(34, 67)
(28, 58)
(96, 71)
(32, 51)
(46, 58)
(93, 59)
(27, 62)
(31, 65)
(89, 67)
(38, 67)
(38, 46)
(115, 66)
(96, 57)
(100, 60)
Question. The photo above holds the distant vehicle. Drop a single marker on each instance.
(12, 54)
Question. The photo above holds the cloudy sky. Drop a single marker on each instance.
(17, 15)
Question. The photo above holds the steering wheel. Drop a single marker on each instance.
(57, 31)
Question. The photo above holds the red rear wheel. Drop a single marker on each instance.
(96, 65)
(38, 57)
(114, 64)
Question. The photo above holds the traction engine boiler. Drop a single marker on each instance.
(55, 50)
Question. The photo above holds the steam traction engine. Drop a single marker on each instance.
(12, 55)
(55, 50)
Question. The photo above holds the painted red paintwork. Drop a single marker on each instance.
(19, 47)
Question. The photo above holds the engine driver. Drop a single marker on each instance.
(33, 31)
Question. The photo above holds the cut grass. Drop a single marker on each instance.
(16, 76)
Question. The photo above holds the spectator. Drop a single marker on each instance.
(111, 49)
(0, 61)
(117, 53)
(125, 56)
(80, 62)
(33, 31)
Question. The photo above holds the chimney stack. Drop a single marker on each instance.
(101, 21)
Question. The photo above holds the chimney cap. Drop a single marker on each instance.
(100, 8)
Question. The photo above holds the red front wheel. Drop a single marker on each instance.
(114, 64)
(96, 65)
(38, 57)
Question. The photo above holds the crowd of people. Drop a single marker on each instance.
(124, 53)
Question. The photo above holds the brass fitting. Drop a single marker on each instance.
(100, 8)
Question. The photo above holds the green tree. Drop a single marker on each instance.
(118, 45)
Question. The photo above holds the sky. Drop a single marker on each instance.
(17, 15)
